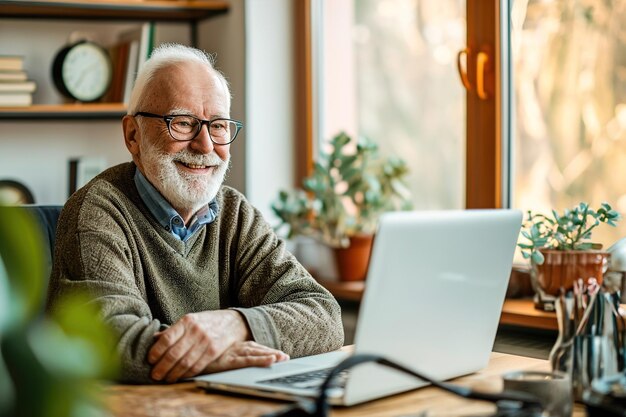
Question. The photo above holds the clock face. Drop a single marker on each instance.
(85, 71)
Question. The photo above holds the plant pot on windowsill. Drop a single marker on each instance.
(561, 252)
(352, 261)
(561, 268)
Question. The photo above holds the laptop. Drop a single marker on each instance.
(434, 293)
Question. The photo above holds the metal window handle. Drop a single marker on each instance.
(461, 62)
(482, 60)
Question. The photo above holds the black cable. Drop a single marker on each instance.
(510, 403)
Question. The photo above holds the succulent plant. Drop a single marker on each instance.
(568, 231)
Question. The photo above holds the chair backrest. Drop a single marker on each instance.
(47, 217)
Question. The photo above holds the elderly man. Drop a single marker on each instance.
(185, 270)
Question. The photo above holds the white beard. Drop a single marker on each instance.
(183, 190)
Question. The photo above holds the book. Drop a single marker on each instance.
(141, 40)
(131, 70)
(17, 87)
(15, 99)
(119, 59)
(146, 45)
(11, 63)
(7, 76)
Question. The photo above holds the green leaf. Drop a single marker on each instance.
(22, 252)
(584, 246)
(537, 257)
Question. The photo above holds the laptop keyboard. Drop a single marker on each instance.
(308, 380)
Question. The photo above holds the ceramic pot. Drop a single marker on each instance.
(352, 262)
(561, 268)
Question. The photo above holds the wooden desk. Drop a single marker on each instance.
(186, 400)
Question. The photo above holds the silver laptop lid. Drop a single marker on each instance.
(434, 293)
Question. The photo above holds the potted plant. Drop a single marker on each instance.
(342, 199)
(560, 249)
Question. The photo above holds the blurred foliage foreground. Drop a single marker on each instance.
(49, 365)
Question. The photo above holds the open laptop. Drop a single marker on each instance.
(434, 292)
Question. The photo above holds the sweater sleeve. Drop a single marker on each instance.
(95, 258)
(284, 306)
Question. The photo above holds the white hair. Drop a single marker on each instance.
(163, 56)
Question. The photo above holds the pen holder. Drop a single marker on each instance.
(590, 347)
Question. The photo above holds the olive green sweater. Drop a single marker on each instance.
(145, 279)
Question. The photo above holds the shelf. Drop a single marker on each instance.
(169, 10)
(515, 312)
(91, 111)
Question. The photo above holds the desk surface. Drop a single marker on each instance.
(186, 400)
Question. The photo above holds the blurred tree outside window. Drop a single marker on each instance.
(569, 62)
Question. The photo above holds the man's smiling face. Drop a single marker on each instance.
(188, 174)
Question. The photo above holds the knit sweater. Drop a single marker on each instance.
(144, 279)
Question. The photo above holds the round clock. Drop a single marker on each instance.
(82, 71)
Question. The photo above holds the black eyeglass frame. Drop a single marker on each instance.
(169, 117)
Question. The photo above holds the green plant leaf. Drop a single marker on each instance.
(22, 252)
(537, 257)
(51, 360)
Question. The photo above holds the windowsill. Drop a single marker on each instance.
(516, 312)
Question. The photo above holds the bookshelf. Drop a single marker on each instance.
(191, 11)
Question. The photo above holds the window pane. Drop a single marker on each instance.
(405, 92)
(570, 87)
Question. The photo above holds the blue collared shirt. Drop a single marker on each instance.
(167, 216)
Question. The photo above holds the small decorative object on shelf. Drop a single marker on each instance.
(84, 169)
(560, 250)
(349, 189)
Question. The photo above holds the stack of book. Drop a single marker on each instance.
(15, 87)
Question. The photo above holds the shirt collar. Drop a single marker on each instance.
(167, 216)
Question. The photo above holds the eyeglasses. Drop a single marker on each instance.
(185, 128)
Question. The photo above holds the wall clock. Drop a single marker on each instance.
(82, 71)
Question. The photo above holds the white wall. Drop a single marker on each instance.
(269, 101)
(37, 153)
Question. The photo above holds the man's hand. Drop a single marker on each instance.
(194, 341)
(244, 354)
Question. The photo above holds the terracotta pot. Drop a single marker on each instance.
(561, 268)
(352, 262)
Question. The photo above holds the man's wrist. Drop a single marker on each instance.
(243, 332)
